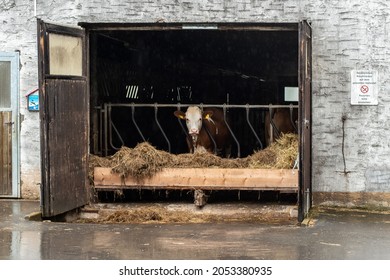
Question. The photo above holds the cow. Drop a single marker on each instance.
(283, 121)
(205, 128)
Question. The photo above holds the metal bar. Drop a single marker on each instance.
(110, 127)
(135, 123)
(208, 133)
(274, 129)
(231, 132)
(271, 128)
(296, 163)
(292, 119)
(181, 124)
(161, 129)
(101, 131)
(212, 139)
(118, 134)
(105, 129)
(253, 130)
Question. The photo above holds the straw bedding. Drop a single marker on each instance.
(156, 214)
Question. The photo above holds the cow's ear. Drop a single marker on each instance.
(207, 115)
(180, 114)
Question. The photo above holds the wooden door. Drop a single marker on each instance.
(9, 123)
(64, 112)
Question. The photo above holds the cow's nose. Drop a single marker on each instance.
(194, 131)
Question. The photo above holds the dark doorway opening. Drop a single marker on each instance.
(189, 67)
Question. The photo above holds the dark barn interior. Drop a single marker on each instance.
(187, 66)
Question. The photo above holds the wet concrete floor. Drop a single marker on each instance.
(332, 234)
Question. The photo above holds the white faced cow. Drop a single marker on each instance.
(205, 128)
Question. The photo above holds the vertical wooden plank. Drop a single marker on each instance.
(2, 154)
(5, 153)
(305, 119)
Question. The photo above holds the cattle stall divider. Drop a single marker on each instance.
(107, 125)
(196, 179)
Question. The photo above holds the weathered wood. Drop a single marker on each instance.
(64, 111)
(305, 113)
(5, 153)
(203, 178)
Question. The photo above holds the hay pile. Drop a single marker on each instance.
(279, 155)
(144, 160)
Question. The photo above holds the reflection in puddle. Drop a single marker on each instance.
(24, 245)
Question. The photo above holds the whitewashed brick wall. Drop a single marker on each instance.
(18, 29)
(347, 35)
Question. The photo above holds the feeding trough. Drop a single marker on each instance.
(145, 167)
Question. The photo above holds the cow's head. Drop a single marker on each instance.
(193, 117)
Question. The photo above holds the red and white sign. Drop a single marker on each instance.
(364, 87)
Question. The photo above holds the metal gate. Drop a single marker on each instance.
(9, 125)
(64, 118)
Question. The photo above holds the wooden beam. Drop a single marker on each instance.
(203, 178)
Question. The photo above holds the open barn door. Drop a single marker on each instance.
(64, 113)
(304, 72)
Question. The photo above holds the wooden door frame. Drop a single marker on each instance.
(305, 120)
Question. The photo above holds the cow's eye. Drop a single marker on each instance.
(200, 119)
(187, 120)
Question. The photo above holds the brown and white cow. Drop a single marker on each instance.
(283, 122)
(203, 125)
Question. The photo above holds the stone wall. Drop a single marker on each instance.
(347, 35)
(18, 29)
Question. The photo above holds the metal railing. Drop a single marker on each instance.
(107, 126)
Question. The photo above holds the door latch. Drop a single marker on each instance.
(306, 122)
(9, 123)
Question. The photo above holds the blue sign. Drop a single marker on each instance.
(33, 101)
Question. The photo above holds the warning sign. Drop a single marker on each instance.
(364, 87)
